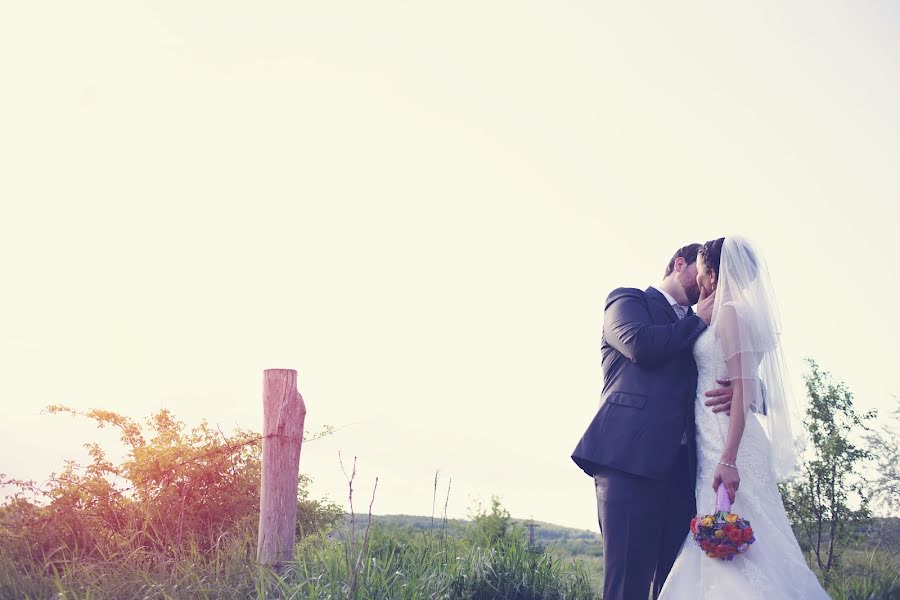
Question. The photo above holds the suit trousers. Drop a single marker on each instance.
(643, 523)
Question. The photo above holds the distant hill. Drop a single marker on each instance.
(566, 540)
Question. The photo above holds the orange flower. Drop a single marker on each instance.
(694, 523)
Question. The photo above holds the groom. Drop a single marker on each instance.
(640, 447)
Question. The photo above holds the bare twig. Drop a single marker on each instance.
(354, 576)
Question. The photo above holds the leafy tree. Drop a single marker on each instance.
(819, 502)
(885, 444)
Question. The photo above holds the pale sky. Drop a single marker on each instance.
(421, 207)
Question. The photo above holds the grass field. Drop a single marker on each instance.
(402, 560)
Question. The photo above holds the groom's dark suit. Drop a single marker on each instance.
(644, 476)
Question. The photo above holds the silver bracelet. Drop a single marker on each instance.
(725, 464)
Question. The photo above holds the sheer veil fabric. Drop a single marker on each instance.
(747, 323)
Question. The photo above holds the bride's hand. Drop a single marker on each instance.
(730, 477)
(705, 306)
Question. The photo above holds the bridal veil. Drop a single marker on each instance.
(747, 322)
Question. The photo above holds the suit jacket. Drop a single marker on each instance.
(649, 387)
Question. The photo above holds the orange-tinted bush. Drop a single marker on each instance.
(176, 486)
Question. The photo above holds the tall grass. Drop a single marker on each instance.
(866, 575)
(347, 562)
(394, 565)
(428, 565)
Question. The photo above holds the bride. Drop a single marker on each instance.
(750, 450)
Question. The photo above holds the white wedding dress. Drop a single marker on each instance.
(773, 567)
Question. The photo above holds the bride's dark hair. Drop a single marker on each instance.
(711, 252)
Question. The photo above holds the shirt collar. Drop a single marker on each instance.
(671, 300)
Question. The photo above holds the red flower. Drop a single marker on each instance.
(694, 523)
(734, 533)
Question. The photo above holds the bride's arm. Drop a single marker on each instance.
(739, 367)
(736, 422)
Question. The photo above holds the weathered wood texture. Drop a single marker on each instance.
(284, 414)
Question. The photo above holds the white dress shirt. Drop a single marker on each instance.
(680, 309)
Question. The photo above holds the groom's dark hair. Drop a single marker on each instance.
(688, 253)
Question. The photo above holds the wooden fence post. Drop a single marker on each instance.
(284, 414)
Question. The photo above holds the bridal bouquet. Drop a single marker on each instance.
(722, 534)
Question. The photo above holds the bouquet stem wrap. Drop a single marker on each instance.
(723, 501)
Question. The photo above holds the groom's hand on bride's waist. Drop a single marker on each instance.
(720, 398)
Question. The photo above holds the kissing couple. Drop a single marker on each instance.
(693, 401)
